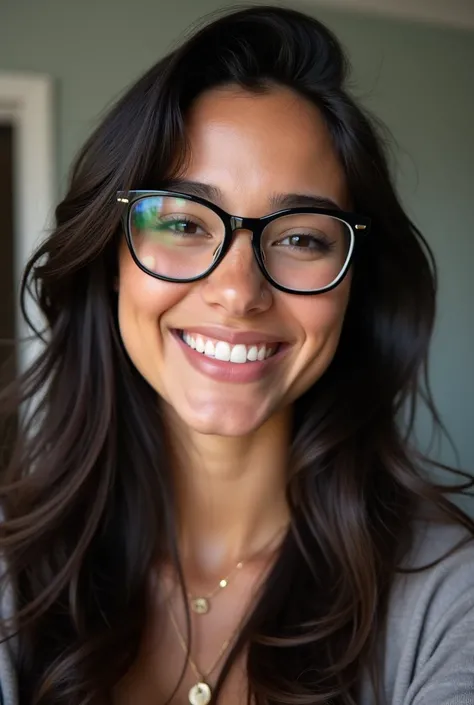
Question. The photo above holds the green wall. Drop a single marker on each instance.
(417, 78)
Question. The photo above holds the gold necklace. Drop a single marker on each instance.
(200, 693)
(202, 604)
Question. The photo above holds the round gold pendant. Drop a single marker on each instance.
(200, 694)
(200, 605)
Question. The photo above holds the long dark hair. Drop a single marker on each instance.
(87, 492)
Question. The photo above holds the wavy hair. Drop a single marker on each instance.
(87, 491)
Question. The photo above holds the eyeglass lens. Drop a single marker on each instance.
(180, 239)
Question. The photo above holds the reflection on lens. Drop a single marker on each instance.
(306, 252)
(174, 237)
(180, 239)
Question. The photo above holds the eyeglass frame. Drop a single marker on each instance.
(358, 225)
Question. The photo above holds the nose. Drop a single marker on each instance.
(237, 285)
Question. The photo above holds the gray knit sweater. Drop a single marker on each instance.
(428, 652)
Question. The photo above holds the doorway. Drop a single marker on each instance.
(26, 123)
(8, 352)
(26, 198)
(7, 265)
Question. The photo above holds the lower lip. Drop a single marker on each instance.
(230, 371)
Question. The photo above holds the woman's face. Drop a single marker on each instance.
(250, 149)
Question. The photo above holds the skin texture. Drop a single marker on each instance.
(230, 442)
(236, 147)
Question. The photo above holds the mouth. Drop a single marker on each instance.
(225, 352)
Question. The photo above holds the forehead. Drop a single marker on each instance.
(252, 145)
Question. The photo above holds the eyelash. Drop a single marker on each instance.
(322, 241)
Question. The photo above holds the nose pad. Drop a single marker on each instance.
(216, 253)
(237, 285)
(236, 223)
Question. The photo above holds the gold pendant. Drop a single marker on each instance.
(200, 694)
(200, 605)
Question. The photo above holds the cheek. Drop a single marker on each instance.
(141, 296)
(320, 319)
(142, 302)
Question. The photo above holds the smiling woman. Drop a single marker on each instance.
(215, 499)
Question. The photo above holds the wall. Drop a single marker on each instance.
(417, 78)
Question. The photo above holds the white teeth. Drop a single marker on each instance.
(238, 354)
(209, 349)
(252, 353)
(222, 350)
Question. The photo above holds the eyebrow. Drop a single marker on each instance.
(277, 200)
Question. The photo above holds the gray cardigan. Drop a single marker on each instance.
(429, 649)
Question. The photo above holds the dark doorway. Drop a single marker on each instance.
(7, 279)
(7, 276)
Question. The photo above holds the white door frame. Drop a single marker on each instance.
(26, 102)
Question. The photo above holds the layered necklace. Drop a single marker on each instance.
(201, 693)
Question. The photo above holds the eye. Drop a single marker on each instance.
(181, 225)
(303, 241)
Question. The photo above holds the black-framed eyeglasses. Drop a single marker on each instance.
(181, 238)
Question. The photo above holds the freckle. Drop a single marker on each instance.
(148, 261)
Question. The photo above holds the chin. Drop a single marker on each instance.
(231, 421)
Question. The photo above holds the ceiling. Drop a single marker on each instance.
(453, 13)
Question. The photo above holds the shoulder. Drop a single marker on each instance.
(429, 640)
(8, 680)
(8, 686)
(439, 567)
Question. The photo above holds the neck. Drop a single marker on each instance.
(230, 493)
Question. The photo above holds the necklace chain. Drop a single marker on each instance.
(222, 584)
(200, 675)
(200, 693)
(201, 604)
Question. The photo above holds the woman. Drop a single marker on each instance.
(215, 497)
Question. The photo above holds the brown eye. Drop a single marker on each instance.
(305, 242)
(187, 227)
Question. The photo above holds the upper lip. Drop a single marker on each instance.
(232, 336)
